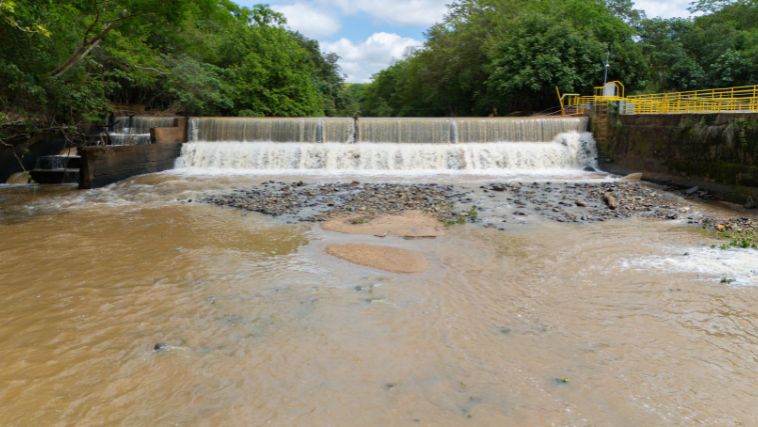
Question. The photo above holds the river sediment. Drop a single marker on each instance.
(493, 205)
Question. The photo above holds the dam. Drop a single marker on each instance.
(390, 145)
(412, 271)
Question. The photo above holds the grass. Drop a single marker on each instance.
(739, 239)
(360, 220)
(469, 216)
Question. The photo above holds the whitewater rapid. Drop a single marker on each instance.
(568, 151)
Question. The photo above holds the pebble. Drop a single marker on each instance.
(452, 204)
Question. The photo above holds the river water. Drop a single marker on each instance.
(612, 323)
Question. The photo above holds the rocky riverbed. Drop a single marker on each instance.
(495, 205)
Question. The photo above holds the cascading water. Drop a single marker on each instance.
(254, 129)
(128, 130)
(405, 131)
(388, 145)
(516, 130)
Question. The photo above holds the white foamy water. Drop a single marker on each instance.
(136, 129)
(734, 266)
(572, 151)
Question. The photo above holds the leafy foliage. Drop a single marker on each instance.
(72, 61)
(493, 57)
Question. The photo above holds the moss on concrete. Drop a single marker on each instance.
(717, 148)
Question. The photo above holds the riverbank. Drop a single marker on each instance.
(494, 205)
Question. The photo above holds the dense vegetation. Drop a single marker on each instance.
(64, 63)
(507, 56)
(70, 62)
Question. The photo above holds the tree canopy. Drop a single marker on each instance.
(495, 57)
(72, 61)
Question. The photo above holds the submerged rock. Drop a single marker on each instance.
(385, 258)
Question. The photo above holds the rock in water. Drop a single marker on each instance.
(692, 190)
(611, 201)
(633, 177)
(159, 347)
(382, 257)
(750, 203)
(20, 178)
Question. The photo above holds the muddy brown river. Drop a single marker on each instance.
(126, 306)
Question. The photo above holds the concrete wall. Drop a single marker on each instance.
(718, 152)
(171, 135)
(105, 165)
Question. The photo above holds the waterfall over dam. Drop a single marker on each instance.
(393, 145)
(129, 130)
(254, 129)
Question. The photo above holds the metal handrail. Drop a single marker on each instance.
(732, 99)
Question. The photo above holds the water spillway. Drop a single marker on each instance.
(128, 130)
(444, 145)
(381, 130)
(255, 129)
(516, 130)
(408, 131)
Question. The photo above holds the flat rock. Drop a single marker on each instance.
(385, 258)
(408, 224)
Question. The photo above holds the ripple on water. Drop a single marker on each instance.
(737, 267)
(537, 325)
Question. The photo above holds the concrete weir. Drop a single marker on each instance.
(103, 165)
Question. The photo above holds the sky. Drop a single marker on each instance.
(370, 35)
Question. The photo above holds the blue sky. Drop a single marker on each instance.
(369, 35)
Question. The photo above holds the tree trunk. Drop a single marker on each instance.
(82, 51)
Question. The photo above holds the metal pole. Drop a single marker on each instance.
(607, 66)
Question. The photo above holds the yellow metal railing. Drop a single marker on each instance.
(733, 99)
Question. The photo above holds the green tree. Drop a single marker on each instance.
(506, 56)
(71, 61)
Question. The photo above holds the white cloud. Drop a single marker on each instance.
(664, 9)
(309, 21)
(361, 60)
(404, 12)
